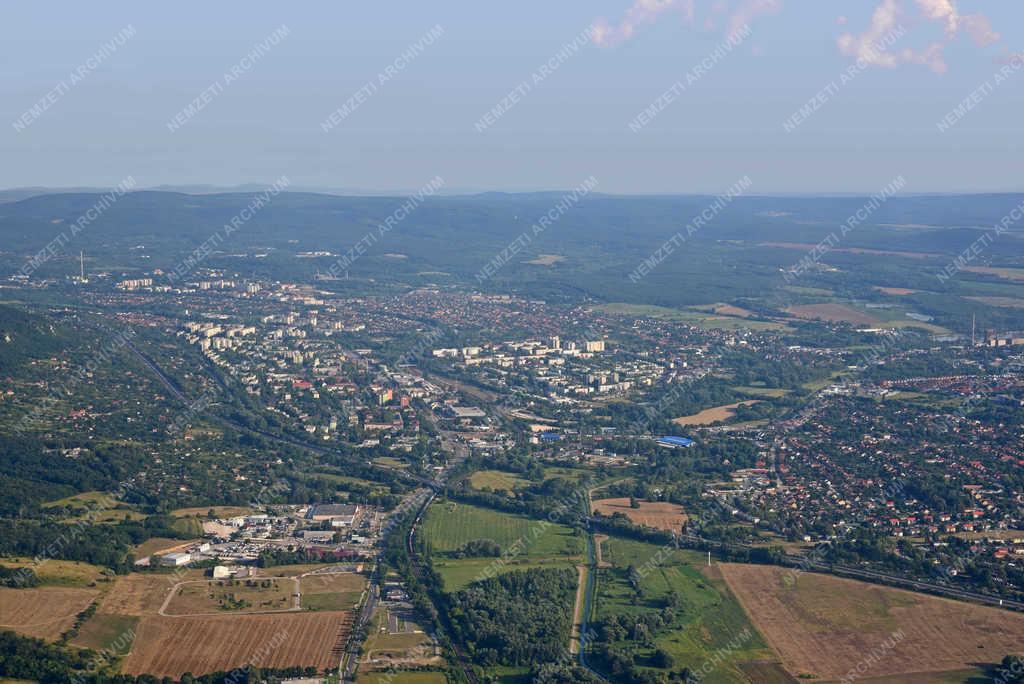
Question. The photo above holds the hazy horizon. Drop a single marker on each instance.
(649, 97)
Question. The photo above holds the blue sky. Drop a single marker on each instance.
(566, 125)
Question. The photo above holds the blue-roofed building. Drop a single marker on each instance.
(674, 442)
(550, 436)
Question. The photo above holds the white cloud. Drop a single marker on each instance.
(886, 18)
(941, 10)
(735, 15)
(747, 11)
(980, 30)
(640, 13)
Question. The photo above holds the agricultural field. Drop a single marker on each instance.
(112, 633)
(188, 525)
(1008, 302)
(717, 317)
(805, 246)
(42, 612)
(390, 462)
(524, 542)
(822, 626)
(349, 480)
(714, 414)
(83, 500)
(1007, 273)
(139, 615)
(661, 515)
(95, 507)
(218, 511)
(496, 480)
(331, 591)
(141, 593)
(726, 310)
(171, 646)
(62, 573)
(835, 313)
(770, 392)
(709, 617)
(160, 545)
(571, 474)
(230, 595)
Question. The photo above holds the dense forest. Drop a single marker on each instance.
(517, 618)
(106, 545)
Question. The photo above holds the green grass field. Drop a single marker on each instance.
(218, 511)
(524, 542)
(402, 678)
(84, 500)
(710, 617)
(62, 573)
(190, 526)
(102, 632)
(691, 316)
(496, 480)
(572, 474)
(391, 462)
(330, 600)
(762, 391)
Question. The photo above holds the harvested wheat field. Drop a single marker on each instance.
(714, 414)
(726, 310)
(139, 594)
(44, 612)
(660, 515)
(827, 626)
(171, 646)
(835, 313)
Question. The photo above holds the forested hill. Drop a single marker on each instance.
(24, 336)
(589, 249)
(492, 219)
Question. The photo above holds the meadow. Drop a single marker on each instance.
(496, 480)
(709, 616)
(524, 542)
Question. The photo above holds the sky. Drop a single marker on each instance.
(645, 96)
